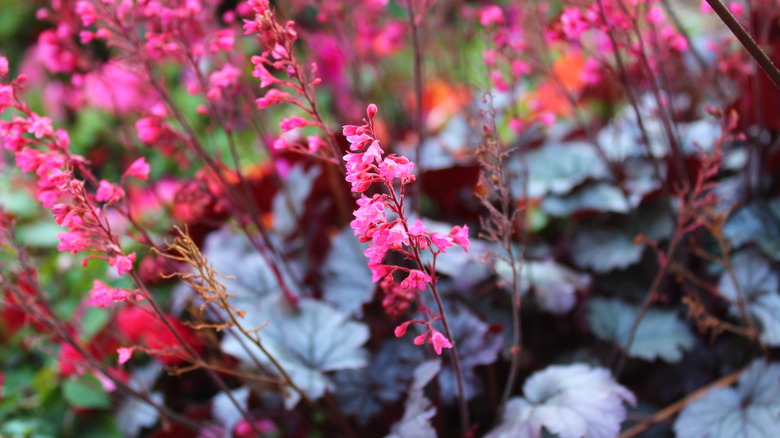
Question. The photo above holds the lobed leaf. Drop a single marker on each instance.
(757, 223)
(757, 281)
(571, 401)
(346, 278)
(418, 410)
(660, 333)
(307, 342)
(751, 410)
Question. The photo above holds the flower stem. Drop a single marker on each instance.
(746, 40)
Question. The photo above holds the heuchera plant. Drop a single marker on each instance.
(189, 248)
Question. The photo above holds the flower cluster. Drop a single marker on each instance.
(103, 295)
(367, 164)
(585, 38)
(43, 151)
(280, 39)
(433, 336)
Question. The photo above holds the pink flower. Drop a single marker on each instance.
(244, 429)
(223, 40)
(396, 236)
(371, 212)
(85, 36)
(103, 295)
(3, 66)
(273, 97)
(736, 8)
(439, 341)
(28, 159)
(460, 236)
(675, 40)
(86, 12)
(547, 118)
(279, 52)
(40, 126)
(441, 241)
(361, 180)
(108, 192)
(655, 15)
(396, 167)
(260, 72)
(281, 144)
(73, 241)
(379, 272)
(498, 80)
(375, 254)
(401, 329)
(6, 97)
(149, 129)
(288, 124)
(416, 279)
(251, 26)
(357, 136)
(573, 23)
(63, 139)
(354, 162)
(124, 354)
(489, 58)
(418, 228)
(48, 198)
(122, 263)
(591, 71)
(491, 15)
(314, 143)
(222, 79)
(62, 213)
(11, 133)
(520, 68)
(139, 169)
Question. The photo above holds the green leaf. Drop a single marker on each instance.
(288, 204)
(751, 410)
(101, 425)
(593, 197)
(571, 401)
(758, 284)
(559, 167)
(604, 248)
(660, 333)
(90, 123)
(17, 202)
(94, 320)
(347, 280)
(39, 234)
(418, 410)
(85, 392)
(307, 342)
(554, 285)
(364, 393)
(758, 223)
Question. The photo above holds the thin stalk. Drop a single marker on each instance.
(418, 93)
(669, 411)
(634, 103)
(191, 351)
(649, 298)
(462, 404)
(517, 333)
(741, 301)
(746, 40)
(719, 88)
(53, 325)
